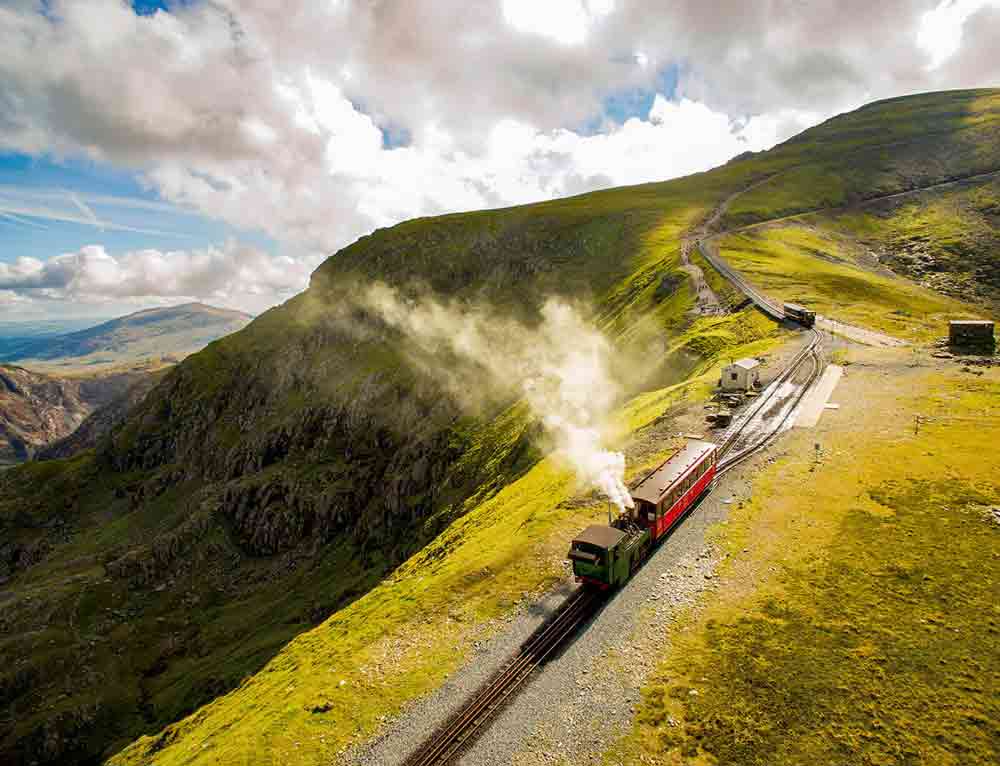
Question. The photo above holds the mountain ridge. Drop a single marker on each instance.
(160, 331)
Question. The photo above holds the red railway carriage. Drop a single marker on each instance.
(663, 497)
(606, 556)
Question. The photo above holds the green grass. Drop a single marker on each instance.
(729, 296)
(402, 638)
(312, 402)
(947, 241)
(812, 267)
(871, 635)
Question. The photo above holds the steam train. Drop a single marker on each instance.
(607, 556)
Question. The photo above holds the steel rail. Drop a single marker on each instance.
(765, 304)
(811, 352)
(790, 369)
(460, 730)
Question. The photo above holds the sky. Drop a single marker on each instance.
(160, 151)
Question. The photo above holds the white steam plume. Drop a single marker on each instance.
(561, 368)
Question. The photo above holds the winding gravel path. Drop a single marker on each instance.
(707, 301)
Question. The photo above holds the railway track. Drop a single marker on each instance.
(765, 304)
(460, 730)
(809, 354)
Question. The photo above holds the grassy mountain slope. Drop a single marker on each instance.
(173, 331)
(271, 482)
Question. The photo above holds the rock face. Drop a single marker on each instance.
(256, 488)
(37, 410)
(102, 420)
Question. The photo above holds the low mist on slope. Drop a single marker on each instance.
(563, 367)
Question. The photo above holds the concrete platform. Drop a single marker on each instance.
(814, 403)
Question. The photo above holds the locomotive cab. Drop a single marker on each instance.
(645, 512)
(592, 554)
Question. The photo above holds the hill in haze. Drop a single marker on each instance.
(173, 331)
(303, 526)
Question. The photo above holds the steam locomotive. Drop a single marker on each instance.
(607, 556)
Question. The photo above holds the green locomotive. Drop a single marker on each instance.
(607, 556)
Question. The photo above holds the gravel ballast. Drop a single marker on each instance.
(581, 700)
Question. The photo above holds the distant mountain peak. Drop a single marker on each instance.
(158, 331)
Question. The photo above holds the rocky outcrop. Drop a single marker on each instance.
(291, 466)
(37, 410)
(101, 421)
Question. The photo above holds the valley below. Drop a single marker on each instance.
(39, 410)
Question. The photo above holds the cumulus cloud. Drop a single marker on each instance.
(233, 275)
(317, 122)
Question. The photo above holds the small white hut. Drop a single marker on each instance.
(741, 375)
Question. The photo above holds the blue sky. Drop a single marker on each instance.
(38, 194)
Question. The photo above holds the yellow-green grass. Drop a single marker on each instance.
(403, 637)
(857, 620)
(728, 295)
(947, 240)
(883, 148)
(792, 263)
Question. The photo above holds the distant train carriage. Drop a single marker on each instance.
(607, 556)
(800, 314)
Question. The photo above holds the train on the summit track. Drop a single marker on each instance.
(607, 556)
(802, 315)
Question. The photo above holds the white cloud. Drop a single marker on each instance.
(276, 115)
(517, 164)
(231, 275)
(565, 21)
(940, 32)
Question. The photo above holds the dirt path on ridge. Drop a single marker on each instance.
(707, 302)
